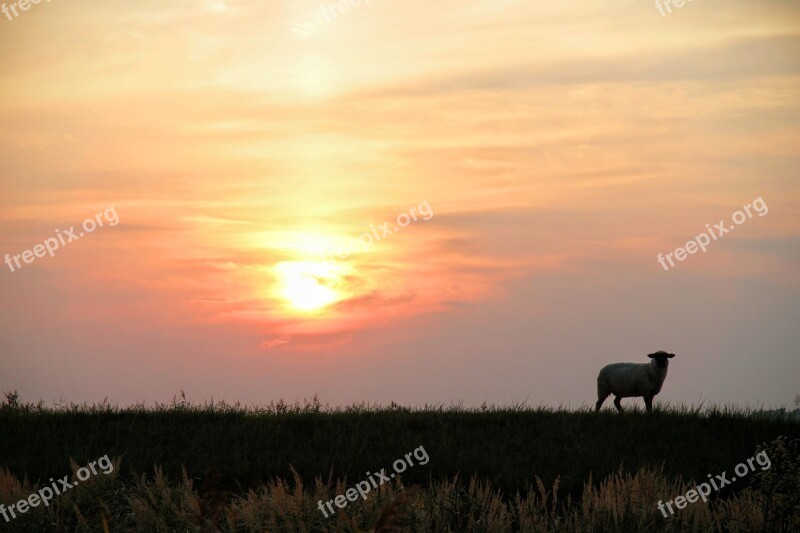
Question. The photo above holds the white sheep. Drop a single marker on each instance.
(630, 380)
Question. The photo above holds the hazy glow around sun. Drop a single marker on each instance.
(308, 286)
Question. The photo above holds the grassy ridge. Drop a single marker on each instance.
(221, 468)
(506, 447)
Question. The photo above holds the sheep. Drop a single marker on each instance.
(630, 380)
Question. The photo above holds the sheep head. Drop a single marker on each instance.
(660, 357)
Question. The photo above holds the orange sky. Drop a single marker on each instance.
(559, 146)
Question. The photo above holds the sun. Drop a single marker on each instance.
(308, 286)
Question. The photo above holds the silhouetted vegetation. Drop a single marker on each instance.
(183, 466)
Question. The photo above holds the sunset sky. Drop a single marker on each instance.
(559, 148)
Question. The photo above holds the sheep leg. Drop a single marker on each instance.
(600, 399)
(648, 402)
(617, 400)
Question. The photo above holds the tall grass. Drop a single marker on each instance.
(182, 467)
(621, 502)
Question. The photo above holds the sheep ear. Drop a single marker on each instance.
(671, 355)
(651, 355)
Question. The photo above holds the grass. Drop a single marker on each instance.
(183, 467)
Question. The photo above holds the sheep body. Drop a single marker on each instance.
(628, 380)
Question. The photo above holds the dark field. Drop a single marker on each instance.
(265, 469)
